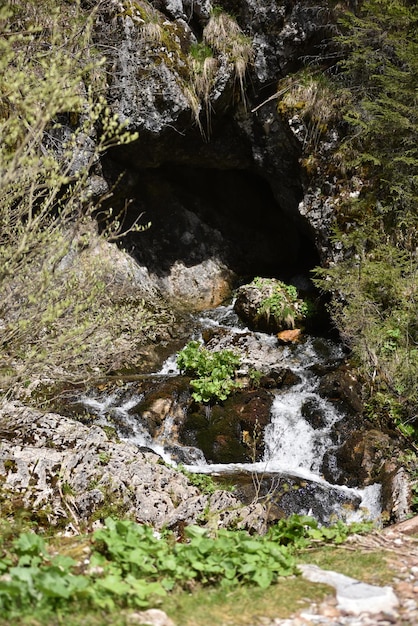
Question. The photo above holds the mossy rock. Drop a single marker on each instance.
(230, 432)
(269, 305)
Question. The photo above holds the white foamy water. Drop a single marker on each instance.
(290, 440)
(294, 446)
(169, 367)
(111, 410)
(369, 508)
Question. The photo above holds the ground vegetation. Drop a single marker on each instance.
(60, 306)
(126, 565)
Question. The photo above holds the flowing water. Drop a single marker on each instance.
(293, 446)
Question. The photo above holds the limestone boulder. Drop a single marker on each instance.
(269, 305)
(67, 474)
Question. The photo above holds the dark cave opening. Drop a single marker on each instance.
(200, 213)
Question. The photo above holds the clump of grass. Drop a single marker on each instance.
(222, 41)
(148, 19)
(223, 34)
(204, 69)
(316, 103)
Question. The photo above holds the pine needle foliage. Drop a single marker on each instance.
(381, 69)
(376, 282)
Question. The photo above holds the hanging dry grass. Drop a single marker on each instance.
(223, 35)
(194, 102)
(204, 76)
(220, 30)
(152, 32)
(314, 102)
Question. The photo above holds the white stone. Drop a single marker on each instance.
(152, 617)
(352, 595)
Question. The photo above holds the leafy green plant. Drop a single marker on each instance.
(255, 377)
(130, 565)
(104, 457)
(230, 558)
(200, 52)
(32, 577)
(215, 371)
(301, 531)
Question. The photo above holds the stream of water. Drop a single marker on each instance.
(293, 446)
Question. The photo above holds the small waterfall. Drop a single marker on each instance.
(292, 443)
(296, 439)
(169, 367)
(294, 446)
(114, 410)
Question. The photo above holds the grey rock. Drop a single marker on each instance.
(68, 471)
(201, 286)
(200, 9)
(257, 352)
(283, 32)
(199, 235)
(354, 596)
(151, 617)
(147, 95)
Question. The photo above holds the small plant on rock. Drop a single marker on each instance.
(281, 303)
(215, 371)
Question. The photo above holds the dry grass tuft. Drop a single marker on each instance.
(224, 36)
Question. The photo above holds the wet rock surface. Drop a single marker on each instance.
(342, 387)
(231, 432)
(362, 456)
(284, 495)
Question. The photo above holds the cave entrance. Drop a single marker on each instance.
(228, 214)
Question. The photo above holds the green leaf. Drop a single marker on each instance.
(113, 584)
(263, 577)
(29, 543)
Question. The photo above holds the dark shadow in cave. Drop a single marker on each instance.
(202, 213)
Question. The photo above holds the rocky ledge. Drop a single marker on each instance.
(69, 475)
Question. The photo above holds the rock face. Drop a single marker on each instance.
(215, 167)
(367, 457)
(67, 473)
(285, 495)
